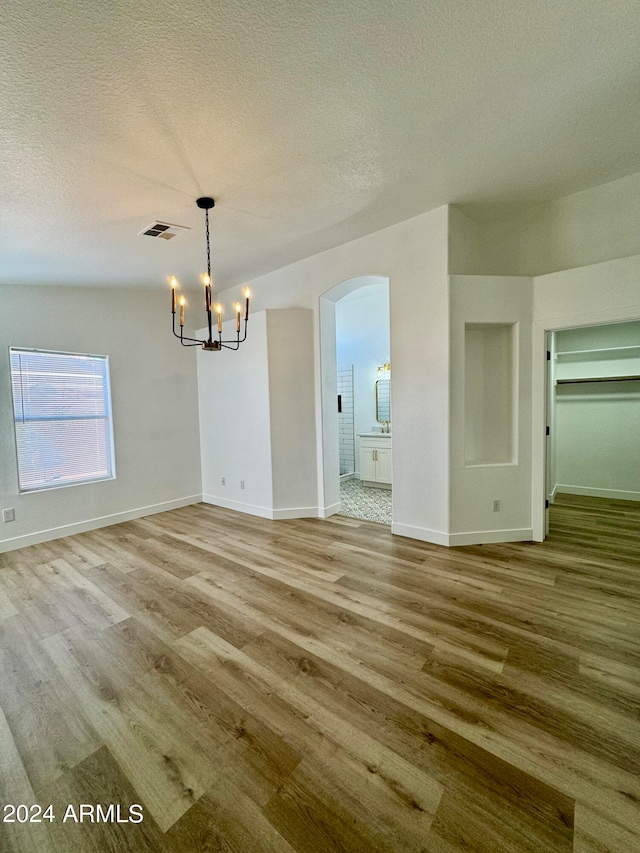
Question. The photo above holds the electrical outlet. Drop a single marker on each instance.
(9, 514)
(224, 481)
(242, 484)
(496, 507)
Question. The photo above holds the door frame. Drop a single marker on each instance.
(541, 392)
(329, 467)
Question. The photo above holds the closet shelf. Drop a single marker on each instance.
(598, 354)
(598, 379)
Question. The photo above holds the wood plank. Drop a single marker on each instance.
(99, 780)
(225, 818)
(15, 788)
(597, 833)
(166, 756)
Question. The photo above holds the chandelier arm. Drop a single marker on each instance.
(238, 340)
(178, 336)
(244, 336)
(184, 338)
(181, 337)
(228, 344)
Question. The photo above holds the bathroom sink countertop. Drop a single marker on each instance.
(374, 434)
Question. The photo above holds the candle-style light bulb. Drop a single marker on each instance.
(174, 283)
(247, 294)
(206, 280)
(182, 304)
(238, 308)
(219, 313)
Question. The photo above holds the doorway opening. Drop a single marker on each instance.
(593, 415)
(356, 368)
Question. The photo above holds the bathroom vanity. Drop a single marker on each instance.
(375, 459)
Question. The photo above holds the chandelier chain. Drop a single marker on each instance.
(206, 219)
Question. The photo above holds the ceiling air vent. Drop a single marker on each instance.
(163, 229)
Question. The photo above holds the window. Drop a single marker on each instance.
(62, 414)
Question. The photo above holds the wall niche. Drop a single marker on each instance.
(490, 393)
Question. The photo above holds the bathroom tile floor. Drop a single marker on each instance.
(360, 501)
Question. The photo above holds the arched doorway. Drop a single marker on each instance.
(359, 304)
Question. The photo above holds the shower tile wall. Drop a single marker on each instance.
(345, 421)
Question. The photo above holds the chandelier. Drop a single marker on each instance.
(205, 203)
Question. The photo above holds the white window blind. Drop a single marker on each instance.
(62, 414)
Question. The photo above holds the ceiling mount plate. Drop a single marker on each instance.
(205, 202)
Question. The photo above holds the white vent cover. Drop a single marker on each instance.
(163, 229)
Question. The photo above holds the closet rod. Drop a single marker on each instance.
(599, 379)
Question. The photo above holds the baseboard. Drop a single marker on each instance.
(554, 492)
(612, 494)
(489, 537)
(421, 533)
(332, 509)
(296, 512)
(262, 511)
(94, 524)
(452, 540)
(238, 506)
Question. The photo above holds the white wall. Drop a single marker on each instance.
(597, 426)
(413, 255)
(154, 399)
(235, 428)
(362, 339)
(592, 295)
(474, 485)
(589, 227)
(257, 419)
(464, 249)
(291, 403)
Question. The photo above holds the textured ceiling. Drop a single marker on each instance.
(311, 123)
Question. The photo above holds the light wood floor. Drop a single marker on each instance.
(316, 685)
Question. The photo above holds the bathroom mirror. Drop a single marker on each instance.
(383, 401)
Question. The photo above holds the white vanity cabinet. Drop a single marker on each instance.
(375, 459)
